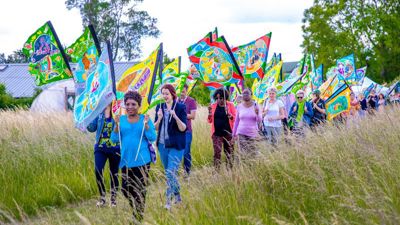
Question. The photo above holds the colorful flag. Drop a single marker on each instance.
(368, 90)
(347, 68)
(360, 74)
(170, 75)
(191, 85)
(329, 87)
(332, 71)
(214, 35)
(339, 102)
(252, 57)
(270, 79)
(99, 91)
(215, 63)
(297, 71)
(47, 60)
(85, 52)
(141, 78)
(317, 77)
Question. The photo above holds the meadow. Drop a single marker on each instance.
(340, 174)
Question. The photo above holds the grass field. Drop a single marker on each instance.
(346, 174)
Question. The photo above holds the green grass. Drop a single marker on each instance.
(340, 175)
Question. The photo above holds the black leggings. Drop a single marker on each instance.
(134, 182)
(100, 158)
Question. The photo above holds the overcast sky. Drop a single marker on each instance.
(181, 22)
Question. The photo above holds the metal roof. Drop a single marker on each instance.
(19, 83)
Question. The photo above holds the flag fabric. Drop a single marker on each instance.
(141, 78)
(99, 91)
(329, 87)
(85, 52)
(298, 70)
(332, 71)
(393, 88)
(368, 90)
(317, 77)
(191, 85)
(270, 79)
(270, 64)
(234, 90)
(252, 57)
(360, 74)
(169, 75)
(214, 35)
(339, 102)
(215, 63)
(347, 68)
(47, 60)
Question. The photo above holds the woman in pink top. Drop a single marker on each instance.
(246, 124)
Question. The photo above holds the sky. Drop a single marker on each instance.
(181, 22)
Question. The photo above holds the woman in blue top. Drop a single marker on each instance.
(300, 113)
(135, 154)
(171, 125)
(105, 149)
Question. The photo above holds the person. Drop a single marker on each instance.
(354, 105)
(137, 132)
(318, 105)
(191, 108)
(105, 150)
(273, 113)
(245, 128)
(171, 119)
(221, 116)
(363, 105)
(300, 113)
(381, 101)
(372, 101)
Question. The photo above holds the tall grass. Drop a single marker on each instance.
(344, 174)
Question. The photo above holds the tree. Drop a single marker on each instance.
(16, 57)
(118, 21)
(368, 28)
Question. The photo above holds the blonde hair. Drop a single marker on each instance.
(300, 92)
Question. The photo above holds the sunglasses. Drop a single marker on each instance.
(299, 97)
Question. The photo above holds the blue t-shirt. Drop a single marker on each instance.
(130, 138)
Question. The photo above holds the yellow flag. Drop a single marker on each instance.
(140, 78)
(338, 104)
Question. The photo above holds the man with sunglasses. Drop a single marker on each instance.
(300, 113)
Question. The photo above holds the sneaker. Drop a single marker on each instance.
(178, 199)
(101, 202)
(168, 206)
(113, 204)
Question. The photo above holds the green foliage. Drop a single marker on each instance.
(8, 102)
(16, 57)
(369, 29)
(119, 21)
(201, 93)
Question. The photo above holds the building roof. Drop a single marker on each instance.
(19, 83)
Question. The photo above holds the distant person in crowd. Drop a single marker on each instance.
(381, 101)
(191, 108)
(300, 113)
(363, 105)
(171, 119)
(354, 105)
(221, 116)
(272, 113)
(137, 132)
(318, 106)
(245, 128)
(372, 100)
(105, 149)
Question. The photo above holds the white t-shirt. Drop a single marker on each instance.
(273, 111)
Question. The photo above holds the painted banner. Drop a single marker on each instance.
(317, 77)
(215, 63)
(252, 57)
(47, 60)
(214, 35)
(141, 78)
(340, 102)
(360, 74)
(329, 87)
(332, 71)
(85, 52)
(170, 75)
(99, 91)
(347, 68)
(270, 79)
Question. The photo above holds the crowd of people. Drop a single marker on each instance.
(126, 141)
